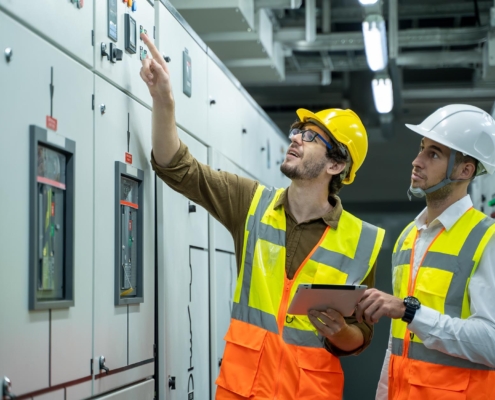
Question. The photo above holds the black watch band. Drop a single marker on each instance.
(412, 304)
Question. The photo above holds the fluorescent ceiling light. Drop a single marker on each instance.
(367, 2)
(375, 42)
(383, 94)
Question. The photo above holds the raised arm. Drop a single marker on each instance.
(155, 74)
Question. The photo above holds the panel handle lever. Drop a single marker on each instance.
(6, 393)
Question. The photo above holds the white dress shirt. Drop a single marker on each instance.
(472, 338)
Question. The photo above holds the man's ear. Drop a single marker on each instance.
(467, 170)
(335, 168)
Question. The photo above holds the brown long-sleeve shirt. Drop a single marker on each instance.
(227, 198)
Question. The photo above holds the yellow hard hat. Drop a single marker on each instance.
(346, 128)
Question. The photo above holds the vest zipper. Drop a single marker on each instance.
(410, 291)
(284, 304)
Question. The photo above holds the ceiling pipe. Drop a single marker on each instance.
(310, 20)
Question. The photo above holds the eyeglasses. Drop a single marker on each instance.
(307, 135)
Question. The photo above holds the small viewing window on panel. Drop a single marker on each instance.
(51, 218)
(129, 235)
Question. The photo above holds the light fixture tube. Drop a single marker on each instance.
(367, 2)
(375, 42)
(383, 94)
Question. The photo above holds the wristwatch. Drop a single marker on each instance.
(412, 304)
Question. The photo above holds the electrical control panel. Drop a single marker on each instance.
(128, 234)
(118, 47)
(52, 220)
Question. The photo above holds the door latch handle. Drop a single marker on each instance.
(103, 366)
(6, 393)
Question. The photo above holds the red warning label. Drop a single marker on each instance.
(128, 158)
(51, 123)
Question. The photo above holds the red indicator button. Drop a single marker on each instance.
(128, 158)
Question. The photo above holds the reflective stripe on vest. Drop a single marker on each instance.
(444, 281)
(418, 351)
(265, 229)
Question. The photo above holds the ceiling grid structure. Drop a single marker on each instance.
(291, 54)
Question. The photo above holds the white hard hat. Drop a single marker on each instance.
(464, 128)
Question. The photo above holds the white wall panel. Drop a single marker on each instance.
(223, 238)
(60, 21)
(111, 322)
(141, 391)
(127, 377)
(224, 116)
(78, 392)
(25, 338)
(196, 222)
(172, 40)
(183, 293)
(125, 73)
(57, 395)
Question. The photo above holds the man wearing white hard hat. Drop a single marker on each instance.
(442, 337)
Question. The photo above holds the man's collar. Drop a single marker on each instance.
(449, 217)
(331, 218)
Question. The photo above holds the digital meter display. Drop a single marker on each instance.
(130, 34)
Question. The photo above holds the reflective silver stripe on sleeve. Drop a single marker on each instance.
(254, 223)
(356, 267)
(302, 338)
(418, 351)
(255, 317)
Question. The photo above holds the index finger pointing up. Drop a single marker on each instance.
(153, 50)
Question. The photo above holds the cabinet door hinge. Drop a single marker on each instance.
(92, 101)
(92, 37)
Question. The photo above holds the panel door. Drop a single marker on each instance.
(52, 17)
(173, 41)
(224, 114)
(183, 289)
(26, 99)
(141, 391)
(111, 32)
(124, 333)
(222, 238)
(253, 140)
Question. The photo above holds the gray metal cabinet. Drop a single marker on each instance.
(142, 391)
(183, 290)
(67, 24)
(176, 44)
(25, 353)
(113, 57)
(123, 334)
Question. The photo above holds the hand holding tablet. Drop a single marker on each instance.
(342, 298)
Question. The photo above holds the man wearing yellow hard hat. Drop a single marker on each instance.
(283, 237)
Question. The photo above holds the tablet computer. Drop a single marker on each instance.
(342, 298)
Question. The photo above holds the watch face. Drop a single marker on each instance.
(412, 302)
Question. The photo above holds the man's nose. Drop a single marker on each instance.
(417, 162)
(297, 138)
